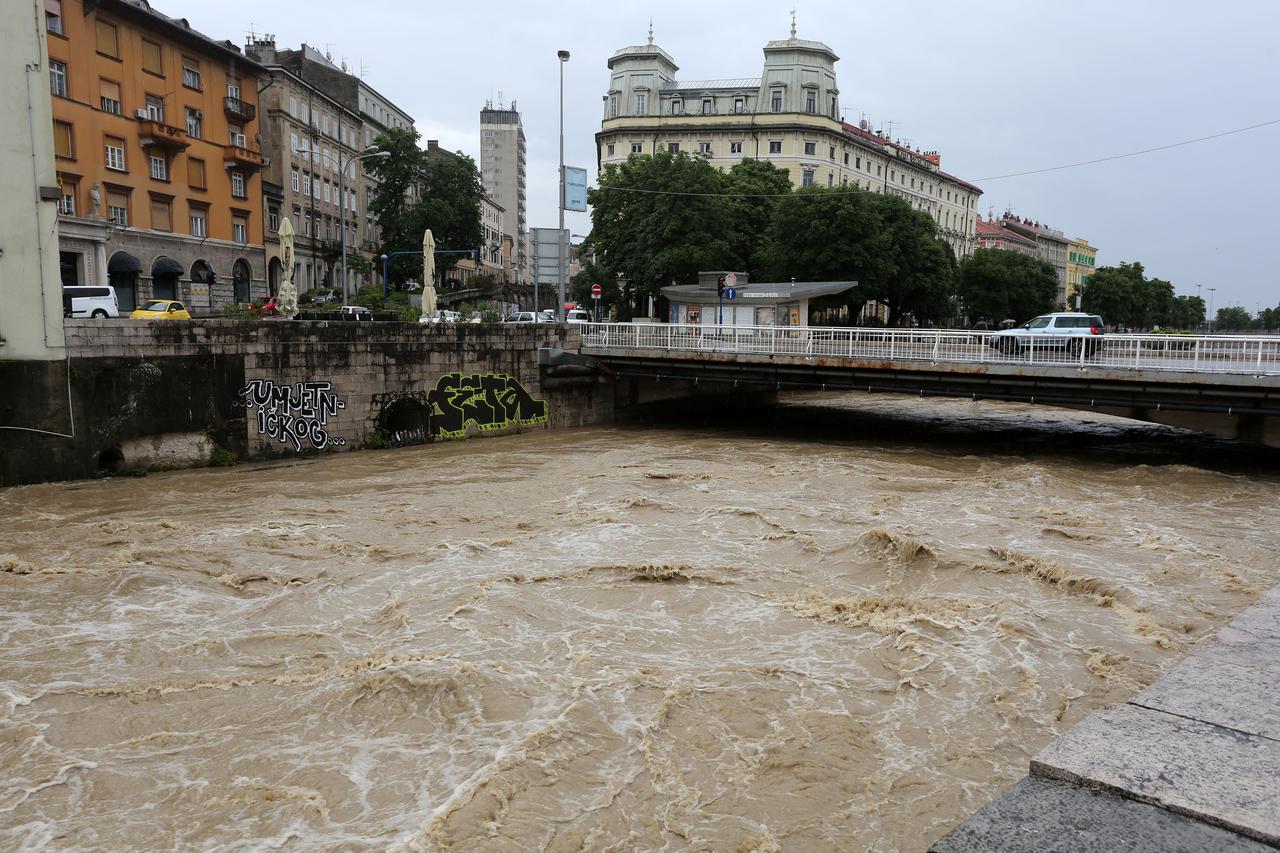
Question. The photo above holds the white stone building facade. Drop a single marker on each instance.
(789, 116)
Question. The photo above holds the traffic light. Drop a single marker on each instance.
(720, 286)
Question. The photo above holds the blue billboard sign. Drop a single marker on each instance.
(575, 189)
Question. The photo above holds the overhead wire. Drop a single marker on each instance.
(989, 178)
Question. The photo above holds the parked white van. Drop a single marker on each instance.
(90, 301)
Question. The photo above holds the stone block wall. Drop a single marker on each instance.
(275, 388)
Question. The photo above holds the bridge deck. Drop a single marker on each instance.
(1230, 375)
(1186, 355)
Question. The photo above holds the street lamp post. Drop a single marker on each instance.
(342, 200)
(1211, 290)
(563, 56)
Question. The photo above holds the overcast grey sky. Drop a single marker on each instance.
(996, 88)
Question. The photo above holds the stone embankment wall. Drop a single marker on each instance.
(170, 394)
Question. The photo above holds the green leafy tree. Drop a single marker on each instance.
(595, 273)
(820, 235)
(416, 192)
(1188, 312)
(922, 281)
(891, 250)
(1117, 294)
(451, 192)
(997, 284)
(754, 188)
(659, 219)
(1158, 303)
(1269, 319)
(1232, 319)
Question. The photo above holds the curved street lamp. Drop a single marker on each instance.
(343, 165)
(563, 56)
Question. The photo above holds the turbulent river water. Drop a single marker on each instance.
(845, 623)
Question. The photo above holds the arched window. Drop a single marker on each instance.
(240, 278)
(275, 272)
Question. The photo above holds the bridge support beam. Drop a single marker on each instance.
(632, 394)
(1250, 428)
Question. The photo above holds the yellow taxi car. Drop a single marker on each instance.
(161, 309)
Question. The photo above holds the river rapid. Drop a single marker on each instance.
(841, 624)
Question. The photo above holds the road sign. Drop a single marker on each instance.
(730, 280)
(595, 291)
(730, 293)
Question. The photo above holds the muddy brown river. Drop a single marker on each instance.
(844, 625)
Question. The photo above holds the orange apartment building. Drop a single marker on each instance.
(156, 143)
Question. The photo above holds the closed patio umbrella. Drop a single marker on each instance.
(287, 296)
(428, 272)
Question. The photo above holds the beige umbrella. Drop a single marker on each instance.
(428, 272)
(287, 297)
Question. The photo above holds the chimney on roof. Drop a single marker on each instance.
(262, 49)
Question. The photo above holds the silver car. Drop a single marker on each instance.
(527, 317)
(1074, 331)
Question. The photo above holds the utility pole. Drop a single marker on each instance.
(561, 238)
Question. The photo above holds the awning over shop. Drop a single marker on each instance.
(166, 266)
(203, 273)
(123, 262)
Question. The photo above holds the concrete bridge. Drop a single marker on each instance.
(1227, 385)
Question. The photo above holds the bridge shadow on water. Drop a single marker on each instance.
(961, 426)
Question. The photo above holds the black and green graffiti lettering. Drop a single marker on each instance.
(490, 401)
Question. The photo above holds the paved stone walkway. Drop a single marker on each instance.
(1191, 763)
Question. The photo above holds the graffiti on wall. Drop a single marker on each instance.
(296, 415)
(490, 401)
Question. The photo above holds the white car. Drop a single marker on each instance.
(441, 316)
(1070, 330)
(578, 315)
(527, 317)
(97, 301)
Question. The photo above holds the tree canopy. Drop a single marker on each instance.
(1124, 296)
(417, 191)
(660, 219)
(997, 284)
(1233, 318)
(821, 234)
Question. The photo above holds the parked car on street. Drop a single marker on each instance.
(1070, 330)
(161, 309)
(527, 317)
(577, 315)
(96, 301)
(442, 315)
(355, 312)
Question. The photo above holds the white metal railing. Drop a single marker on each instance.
(1259, 356)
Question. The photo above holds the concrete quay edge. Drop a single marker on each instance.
(1191, 763)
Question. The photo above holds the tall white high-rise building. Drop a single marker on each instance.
(502, 168)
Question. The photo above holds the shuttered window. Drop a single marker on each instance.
(161, 218)
(151, 58)
(62, 139)
(195, 173)
(108, 39)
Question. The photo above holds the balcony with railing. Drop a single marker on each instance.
(239, 156)
(156, 134)
(238, 109)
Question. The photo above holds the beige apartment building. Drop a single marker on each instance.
(1082, 259)
(790, 116)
